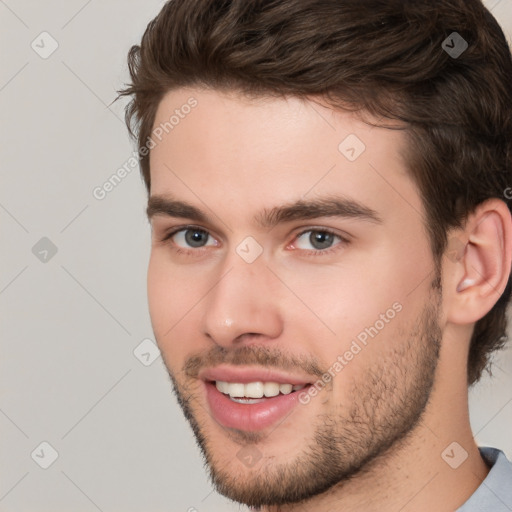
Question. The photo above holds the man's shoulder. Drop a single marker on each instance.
(495, 492)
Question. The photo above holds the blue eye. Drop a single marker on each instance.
(188, 238)
(321, 239)
(194, 237)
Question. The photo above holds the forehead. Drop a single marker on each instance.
(262, 151)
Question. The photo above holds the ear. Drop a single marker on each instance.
(478, 262)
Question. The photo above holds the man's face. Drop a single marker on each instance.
(346, 304)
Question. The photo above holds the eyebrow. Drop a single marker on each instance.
(330, 206)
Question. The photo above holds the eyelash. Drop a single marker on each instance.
(313, 252)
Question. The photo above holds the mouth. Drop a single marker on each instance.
(251, 399)
(255, 392)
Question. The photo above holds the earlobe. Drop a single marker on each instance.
(482, 272)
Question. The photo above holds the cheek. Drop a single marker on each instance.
(157, 290)
(174, 300)
(344, 299)
(168, 300)
(370, 298)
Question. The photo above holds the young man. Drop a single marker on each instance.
(329, 194)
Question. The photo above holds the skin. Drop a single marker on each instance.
(373, 437)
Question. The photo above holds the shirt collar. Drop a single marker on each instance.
(495, 492)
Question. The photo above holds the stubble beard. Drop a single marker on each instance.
(386, 406)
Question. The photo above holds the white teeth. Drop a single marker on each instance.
(247, 400)
(286, 389)
(253, 390)
(236, 390)
(271, 389)
(222, 386)
(256, 389)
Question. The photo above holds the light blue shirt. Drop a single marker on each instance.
(495, 493)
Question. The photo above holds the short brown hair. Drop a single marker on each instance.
(384, 57)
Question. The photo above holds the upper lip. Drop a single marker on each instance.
(247, 374)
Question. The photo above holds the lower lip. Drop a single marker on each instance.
(249, 417)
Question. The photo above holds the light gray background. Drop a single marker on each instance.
(70, 325)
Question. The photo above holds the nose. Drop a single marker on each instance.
(243, 305)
